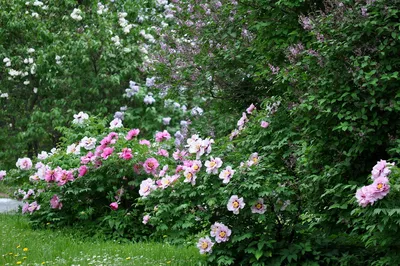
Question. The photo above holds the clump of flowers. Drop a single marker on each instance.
(380, 186)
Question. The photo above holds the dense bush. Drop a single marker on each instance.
(289, 184)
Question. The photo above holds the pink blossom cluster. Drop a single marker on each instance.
(59, 176)
(55, 202)
(31, 208)
(161, 136)
(380, 186)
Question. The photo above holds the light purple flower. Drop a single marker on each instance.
(258, 207)
(222, 233)
(24, 163)
(205, 245)
(226, 174)
(213, 165)
(235, 204)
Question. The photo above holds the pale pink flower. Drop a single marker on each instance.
(235, 204)
(206, 145)
(28, 194)
(226, 174)
(253, 160)
(146, 187)
(116, 123)
(163, 171)
(146, 219)
(161, 136)
(33, 207)
(109, 139)
(380, 187)
(2, 174)
(82, 170)
(87, 158)
(242, 121)
(381, 169)
(259, 207)
(213, 165)
(222, 233)
(250, 109)
(74, 148)
(114, 206)
(55, 203)
(150, 165)
(233, 134)
(264, 124)
(144, 142)
(190, 176)
(179, 168)
(214, 228)
(163, 152)
(126, 154)
(24, 163)
(205, 245)
(179, 155)
(165, 182)
(107, 152)
(25, 208)
(364, 196)
(196, 165)
(132, 133)
(88, 143)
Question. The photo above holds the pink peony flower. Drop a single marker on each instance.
(2, 174)
(63, 176)
(205, 245)
(364, 196)
(242, 121)
(150, 165)
(55, 203)
(25, 208)
(264, 124)
(222, 233)
(114, 206)
(82, 170)
(190, 176)
(163, 171)
(107, 152)
(161, 136)
(33, 207)
(132, 133)
(165, 182)
(87, 158)
(146, 187)
(253, 160)
(250, 109)
(146, 219)
(381, 169)
(144, 142)
(213, 165)
(116, 123)
(196, 166)
(163, 152)
(24, 163)
(226, 174)
(259, 207)
(179, 155)
(380, 187)
(126, 154)
(50, 175)
(235, 203)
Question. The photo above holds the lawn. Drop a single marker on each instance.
(20, 245)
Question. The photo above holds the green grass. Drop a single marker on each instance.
(19, 244)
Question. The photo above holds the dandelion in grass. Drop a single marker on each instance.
(226, 174)
(235, 204)
(213, 165)
(205, 245)
(259, 207)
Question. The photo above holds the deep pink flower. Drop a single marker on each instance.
(50, 175)
(150, 165)
(107, 152)
(86, 159)
(161, 136)
(55, 203)
(126, 154)
(63, 176)
(132, 133)
(114, 206)
(82, 170)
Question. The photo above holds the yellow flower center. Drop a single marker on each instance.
(151, 165)
(189, 176)
(235, 204)
(259, 206)
(255, 159)
(204, 245)
(222, 234)
(196, 167)
(379, 186)
(212, 164)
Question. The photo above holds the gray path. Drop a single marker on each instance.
(8, 205)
